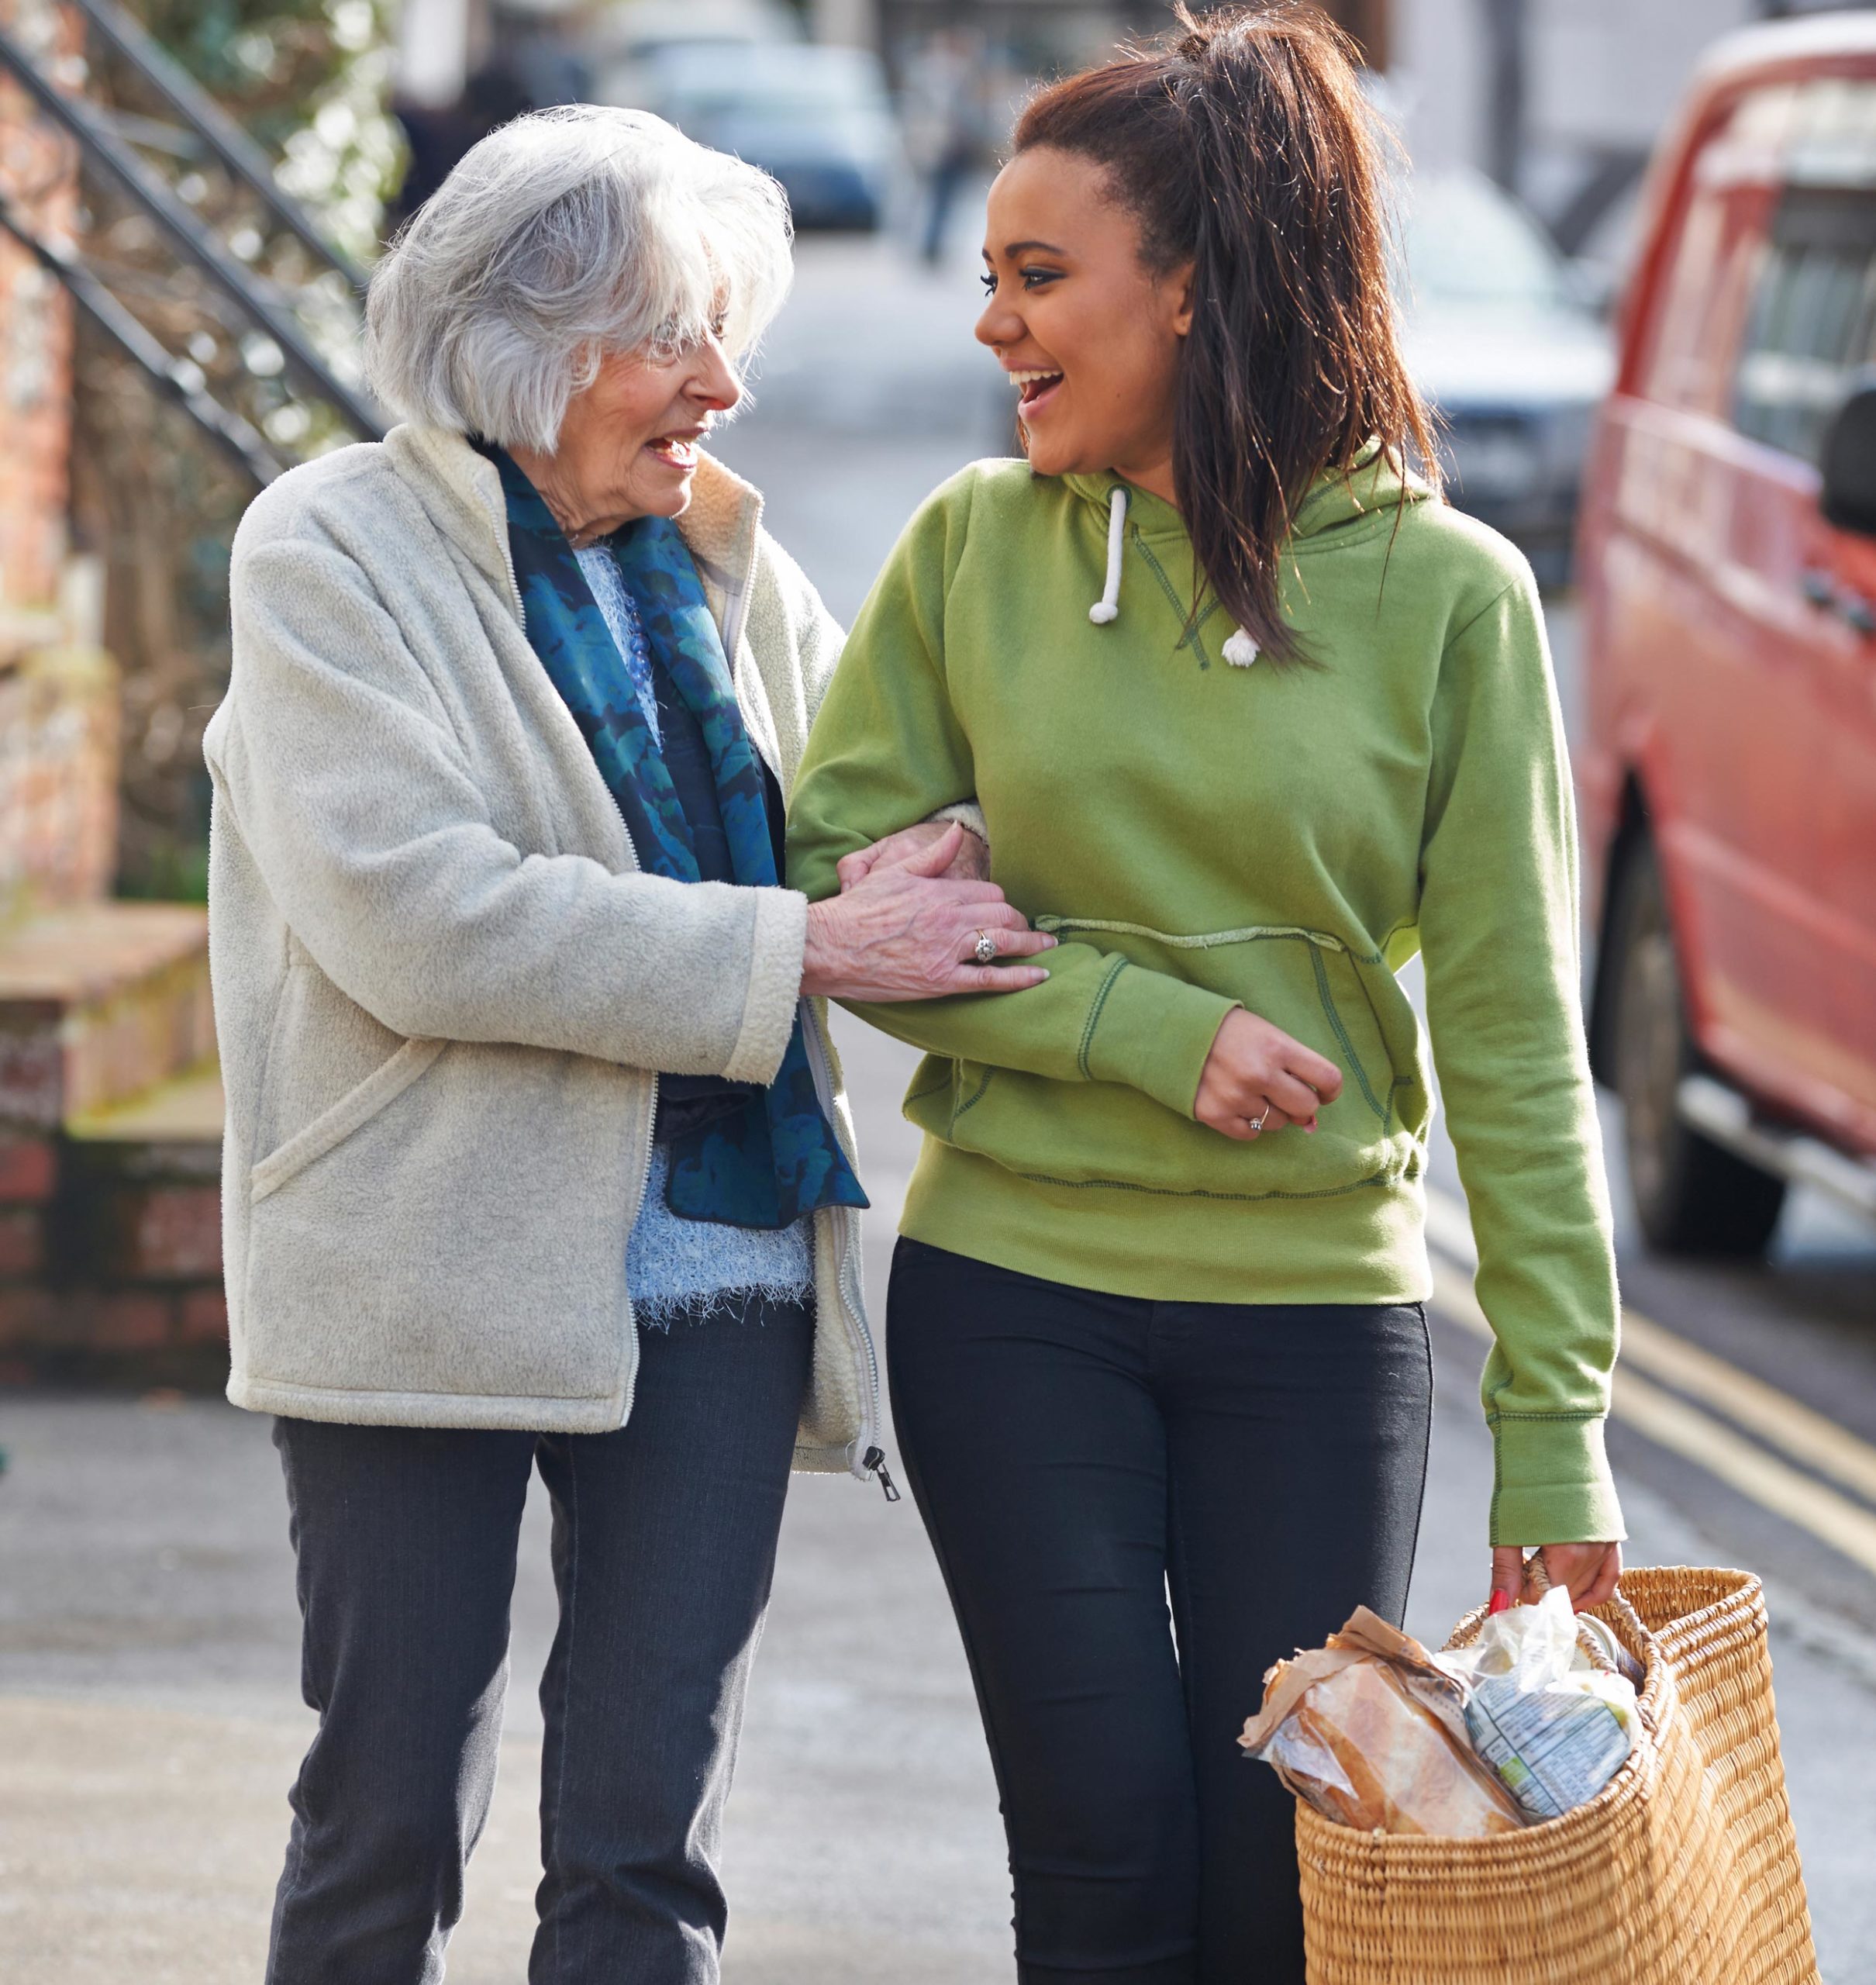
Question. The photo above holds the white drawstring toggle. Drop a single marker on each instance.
(1240, 650)
(1108, 607)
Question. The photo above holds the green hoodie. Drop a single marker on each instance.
(1203, 835)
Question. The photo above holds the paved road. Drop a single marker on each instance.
(149, 1720)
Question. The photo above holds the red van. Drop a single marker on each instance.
(1727, 558)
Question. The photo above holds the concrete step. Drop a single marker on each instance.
(100, 1004)
(111, 1243)
(142, 1185)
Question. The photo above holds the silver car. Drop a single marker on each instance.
(1514, 360)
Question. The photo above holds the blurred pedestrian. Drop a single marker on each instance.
(498, 796)
(1253, 716)
(947, 126)
(435, 137)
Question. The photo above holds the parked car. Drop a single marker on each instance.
(817, 118)
(1511, 356)
(1728, 562)
(620, 41)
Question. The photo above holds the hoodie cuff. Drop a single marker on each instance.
(1551, 1483)
(1152, 1031)
(775, 990)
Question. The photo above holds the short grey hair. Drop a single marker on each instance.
(564, 236)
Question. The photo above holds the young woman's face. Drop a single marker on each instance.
(1088, 334)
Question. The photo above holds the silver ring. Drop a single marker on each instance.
(1256, 1122)
(986, 949)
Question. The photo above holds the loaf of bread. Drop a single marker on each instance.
(1372, 1734)
(1399, 1767)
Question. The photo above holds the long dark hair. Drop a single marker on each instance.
(1242, 143)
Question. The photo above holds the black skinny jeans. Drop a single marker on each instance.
(1075, 1456)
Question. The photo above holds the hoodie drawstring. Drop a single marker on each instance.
(1240, 650)
(1108, 607)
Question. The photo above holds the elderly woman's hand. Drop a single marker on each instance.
(970, 864)
(905, 934)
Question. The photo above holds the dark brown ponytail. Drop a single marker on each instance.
(1243, 143)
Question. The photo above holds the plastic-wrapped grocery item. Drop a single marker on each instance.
(1371, 1732)
(1554, 1726)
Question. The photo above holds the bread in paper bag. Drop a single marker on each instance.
(1371, 1733)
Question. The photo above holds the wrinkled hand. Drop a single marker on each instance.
(905, 934)
(1254, 1067)
(970, 864)
(1589, 1570)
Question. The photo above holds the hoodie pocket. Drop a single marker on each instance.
(1346, 1007)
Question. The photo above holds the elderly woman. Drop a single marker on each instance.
(536, 1154)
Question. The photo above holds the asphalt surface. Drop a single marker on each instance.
(149, 1714)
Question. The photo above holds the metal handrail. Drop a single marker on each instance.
(238, 153)
(177, 377)
(102, 146)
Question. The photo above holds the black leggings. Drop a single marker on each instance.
(1076, 1455)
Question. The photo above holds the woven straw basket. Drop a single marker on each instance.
(1682, 1871)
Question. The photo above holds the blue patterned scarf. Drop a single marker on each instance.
(772, 1158)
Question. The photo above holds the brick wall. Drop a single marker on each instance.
(110, 1223)
(38, 171)
(58, 692)
(110, 1261)
(59, 725)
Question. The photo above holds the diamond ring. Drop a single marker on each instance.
(986, 949)
(1256, 1122)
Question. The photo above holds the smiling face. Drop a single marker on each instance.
(1088, 333)
(628, 445)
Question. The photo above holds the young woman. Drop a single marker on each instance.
(1252, 717)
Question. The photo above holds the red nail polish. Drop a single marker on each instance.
(1500, 1602)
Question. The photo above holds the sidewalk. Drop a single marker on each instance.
(150, 1724)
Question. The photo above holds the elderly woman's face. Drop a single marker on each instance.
(628, 445)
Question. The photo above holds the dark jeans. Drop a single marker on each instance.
(664, 1545)
(1075, 1456)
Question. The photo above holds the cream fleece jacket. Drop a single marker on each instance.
(441, 982)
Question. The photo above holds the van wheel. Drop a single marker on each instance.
(1692, 1195)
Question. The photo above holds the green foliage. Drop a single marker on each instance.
(307, 79)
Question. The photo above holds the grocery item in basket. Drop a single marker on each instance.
(1371, 1732)
(1554, 1727)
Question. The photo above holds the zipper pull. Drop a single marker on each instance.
(873, 1461)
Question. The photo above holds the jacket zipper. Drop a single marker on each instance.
(853, 1301)
(873, 1460)
(651, 1115)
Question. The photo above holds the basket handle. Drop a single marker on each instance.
(1589, 1630)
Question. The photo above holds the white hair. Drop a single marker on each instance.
(565, 235)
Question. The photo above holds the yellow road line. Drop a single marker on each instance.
(1773, 1416)
(1684, 1430)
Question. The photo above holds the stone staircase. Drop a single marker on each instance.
(110, 1102)
(110, 1110)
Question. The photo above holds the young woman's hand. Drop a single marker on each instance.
(1589, 1570)
(970, 864)
(906, 934)
(1256, 1079)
